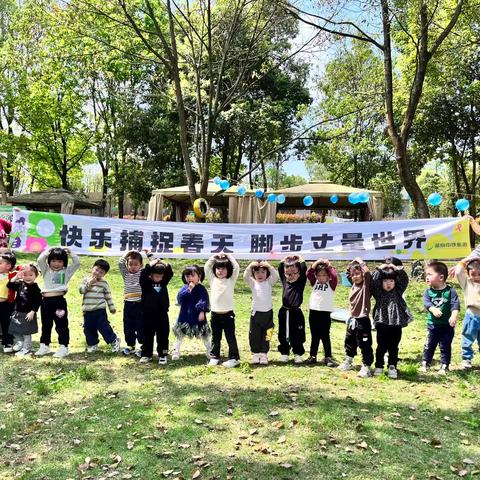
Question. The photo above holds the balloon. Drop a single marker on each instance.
(353, 198)
(224, 184)
(308, 201)
(434, 199)
(462, 204)
(259, 193)
(363, 197)
(217, 180)
(241, 190)
(272, 198)
(281, 199)
(334, 198)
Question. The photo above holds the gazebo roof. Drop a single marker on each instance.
(50, 198)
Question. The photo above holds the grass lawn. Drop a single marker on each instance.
(105, 416)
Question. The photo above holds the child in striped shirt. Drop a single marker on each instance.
(96, 296)
(130, 266)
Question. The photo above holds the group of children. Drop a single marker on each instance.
(146, 306)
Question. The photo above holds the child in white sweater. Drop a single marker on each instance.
(222, 272)
(261, 277)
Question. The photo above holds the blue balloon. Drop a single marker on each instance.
(334, 198)
(281, 199)
(363, 197)
(434, 199)
(308, 201)
(224, 184)
(217, 180)
(353, 198)
(259, 193)
(462, 204)
(272, 198)
(241, 190)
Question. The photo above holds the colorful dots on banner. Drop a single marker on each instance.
(462, 204)
(308, 201)
(434, 199)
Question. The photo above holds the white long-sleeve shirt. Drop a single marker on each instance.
(221, 289)
(261, 291)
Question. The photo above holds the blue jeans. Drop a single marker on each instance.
(441, 335)
(94, 322)
(470, 333)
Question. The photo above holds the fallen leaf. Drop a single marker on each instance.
(463, 472)
(273, 413)
(286, 465)
(468, 461)
(447, 418)
(167, 473)
(130, 445)
(362, 445)
(196, 474)
(282, 439)
(253, 431)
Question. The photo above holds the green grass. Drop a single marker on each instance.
(104, 416)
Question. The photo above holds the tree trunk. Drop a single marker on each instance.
(120, 201)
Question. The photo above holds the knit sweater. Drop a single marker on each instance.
(132, 291)
(96, 296)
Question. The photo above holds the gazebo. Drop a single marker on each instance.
(55, 199)
(249, 209)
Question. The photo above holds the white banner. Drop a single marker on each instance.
(440, 238)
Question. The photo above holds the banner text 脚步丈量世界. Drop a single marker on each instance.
(440, 238)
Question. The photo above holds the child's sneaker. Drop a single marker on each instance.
(92, 348)
(162, 360)
(8, 349)
(128, 351)
(23, 352)
(346, 365)
(115, 345)
(392, 372)
(364, 372)
(145, 360)
(377, 372)
(284, 358)
(466, 364)
(138, 353)
(232, 363)
(298, 359)
(62, 352)
(263, 359)
(443, 370)
(256, 358)
(424, 367)
(17, 347)
(330, 362)
(311, 360)
(214, 362)
(42, 350)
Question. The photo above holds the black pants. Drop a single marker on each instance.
(155, 325)
(320, 323)
(291, 331)
(133, 323)
(439, 335)
(359, 335)
(388, 339)
(6, 309)
(261, 328)
(224, 322)
(54, 311)
(96, 322)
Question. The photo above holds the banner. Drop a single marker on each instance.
(439, 238)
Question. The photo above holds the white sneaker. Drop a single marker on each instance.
(424, 367)
(466, 364)
(392, 372)
(43, 350)
(62, 352)
(175, 355)
(23, 352)
(92, 348)
(162, 360)
(443, 370)
(346, 365)
(263, 359)
(378, 372)
(256, 358)
(8, 349)
(284, 358)
(214, 362)
(115, 345)
(145, 360)
(138, 353)
(17, 347)
(232, 363)
(298, 359)
(364, 372)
